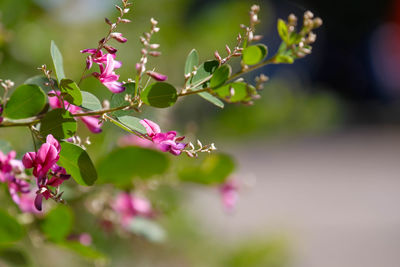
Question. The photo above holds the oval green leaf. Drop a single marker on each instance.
(192, 60)
(118, 100)
(286, 59)
(124, 164)
(57, 61)
(58, 223)
(26, 101)
(214, 169)
(159, 95)
(283, 30)
(90, 101)
(254, 54)
(10, 229)
(58, 122)
(77, 163)
(236, 92)
(204, 72)
(212, 99)
(220, 76)
(41, 81)
(133, 123)
(72, 91)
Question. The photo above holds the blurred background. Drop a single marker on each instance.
(318, 153)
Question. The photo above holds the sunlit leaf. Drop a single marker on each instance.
(236, 92)
(133, 123)
(220, 76)
(72, 91)
(57, 61)
(254, 54)
(212, 99)
(90, 101)
(204, 72)
(283, 30)
(77, 163)
(58, 122)
(284, 59)
(26, 101)
(192, 60)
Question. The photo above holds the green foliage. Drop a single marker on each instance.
(14, 257)
(26, 101)
(214, 169)
(58, 223)
(132, 123)
(236, 92)
(58, 122)
(204, 72)
(283, 30)
(254, 54)
(77, 162)
(192, 60)
(124, 164)
(118, 100)
(90, 101)
(10, 229)
(159, 95)
(5, 146)
(57, 61)
(212, 99)
(281, 58)
(41, 81)
(220, 76)
(71, 92)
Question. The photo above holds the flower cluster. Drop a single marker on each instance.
(128, 206)
(48, 174)
(92, 122)
(12, 174)
(167, 142)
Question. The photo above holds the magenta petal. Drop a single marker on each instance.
(152, 128)
(29, 159)
(92, 123)
(157, 76)
(54, 142)
(38, 202)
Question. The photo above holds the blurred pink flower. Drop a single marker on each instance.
(129, 206)
(229, 194)
(134, 140)
(167, 142)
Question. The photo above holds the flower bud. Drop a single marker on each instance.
(155, 53)
(153, 21)
(157, 76)
(228, 50)
(125, 21)
(154, 46)
(110, 49)
(217, 56)
(107, 21)
(118, 36)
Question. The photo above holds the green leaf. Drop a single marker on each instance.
(148, 229)
(58, 122)
(133, 123)
(26, 101)
(77, 163)
(159, 95)
(212, 99)
(57, 61)
(118, 100)
(90, 101)
(58, 223)
(72, 90)
(124, 164)
(84, 251)
(241, 92)
(5, 146)
(192, 60)
(284, 59)
(220, 76)
(204, 72)
(14, 257)
(10, 229)
(41, 81)
(214, 169)
(254, 54)
(283, 30)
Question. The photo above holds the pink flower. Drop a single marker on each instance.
(108, 77)
(5, 165)
(129, 206)
(167, 142)
(43, 163)
(229, 194)
(134, 140)
(91, 122)
(98, 57)
(157, 76)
